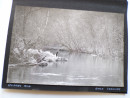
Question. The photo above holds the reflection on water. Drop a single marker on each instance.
(80, 70)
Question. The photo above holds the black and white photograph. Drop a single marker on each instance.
(54, 46)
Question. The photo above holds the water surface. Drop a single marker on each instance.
(80, 70)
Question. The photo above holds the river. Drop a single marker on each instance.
(80, 70)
